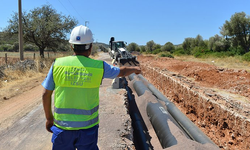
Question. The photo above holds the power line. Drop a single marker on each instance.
(75, 10)
(61, 4)
(64, 6)
(67, 9)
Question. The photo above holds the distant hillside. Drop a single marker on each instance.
(101, 44)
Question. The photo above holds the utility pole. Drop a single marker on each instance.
(20, 29)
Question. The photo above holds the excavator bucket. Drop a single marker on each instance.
(123, 60)
(135, 61)
(128, 60)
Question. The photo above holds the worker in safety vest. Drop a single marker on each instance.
(76, 80)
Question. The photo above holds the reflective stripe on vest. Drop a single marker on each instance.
(76, 124)
(77, 81)
(75, 111)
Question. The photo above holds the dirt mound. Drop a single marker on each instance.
(233, 81)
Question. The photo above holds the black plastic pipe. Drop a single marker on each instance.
(188, 126)
(140, 130)
(159, 117)
(131, 76)
(140, 88)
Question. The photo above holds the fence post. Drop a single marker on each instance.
(48, 54)
(38, 65)
(34, 56)
(5, 58)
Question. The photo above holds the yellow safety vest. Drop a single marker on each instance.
(77, 81)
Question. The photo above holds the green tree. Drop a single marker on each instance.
(16, 47)
(238, 30)
(133, 47)
(6, 39)
(187, 45)
(150, 45)
(43, 26)
(156, 49)
(142, 49)
(198, 42)
(1, 38)
(168, 47)
(212, 42)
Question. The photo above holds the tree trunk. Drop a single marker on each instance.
(41, 53)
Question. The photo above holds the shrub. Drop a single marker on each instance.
(157, 51)
(179, 52)
(198, 54)
(16, 47)
(237, 50)
(246, 56)
(142, 49)
(201, 52)
(166, 54)
(222, 54)
(1, 48)
(29, 47)
(6, 47)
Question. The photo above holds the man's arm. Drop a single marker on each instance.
(47, 108)
(125, 71)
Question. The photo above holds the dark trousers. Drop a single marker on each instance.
(84, 139)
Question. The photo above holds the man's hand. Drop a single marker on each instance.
(137, 70)
(125, 71)
(49, 124)
(47, 108)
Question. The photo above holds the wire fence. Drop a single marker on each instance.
(8, 58)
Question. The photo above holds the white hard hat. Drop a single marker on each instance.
(81, 35)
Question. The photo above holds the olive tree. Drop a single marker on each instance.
(43, 27)
(168, 47)
(133, 47)
(217, 43)
(187, 45)
(142, 48)
(238, 30)
(150, 45)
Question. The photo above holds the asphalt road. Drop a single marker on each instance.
(27, 133)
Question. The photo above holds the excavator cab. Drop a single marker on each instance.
(119, 53)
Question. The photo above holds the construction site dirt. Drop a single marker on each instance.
(215, 99)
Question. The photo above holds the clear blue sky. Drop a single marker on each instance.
(140, 21)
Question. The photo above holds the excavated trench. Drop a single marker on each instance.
(224, 120)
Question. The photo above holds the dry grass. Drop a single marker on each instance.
(229, 62)
(15, 80)
(16, 76)
(16, 85)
